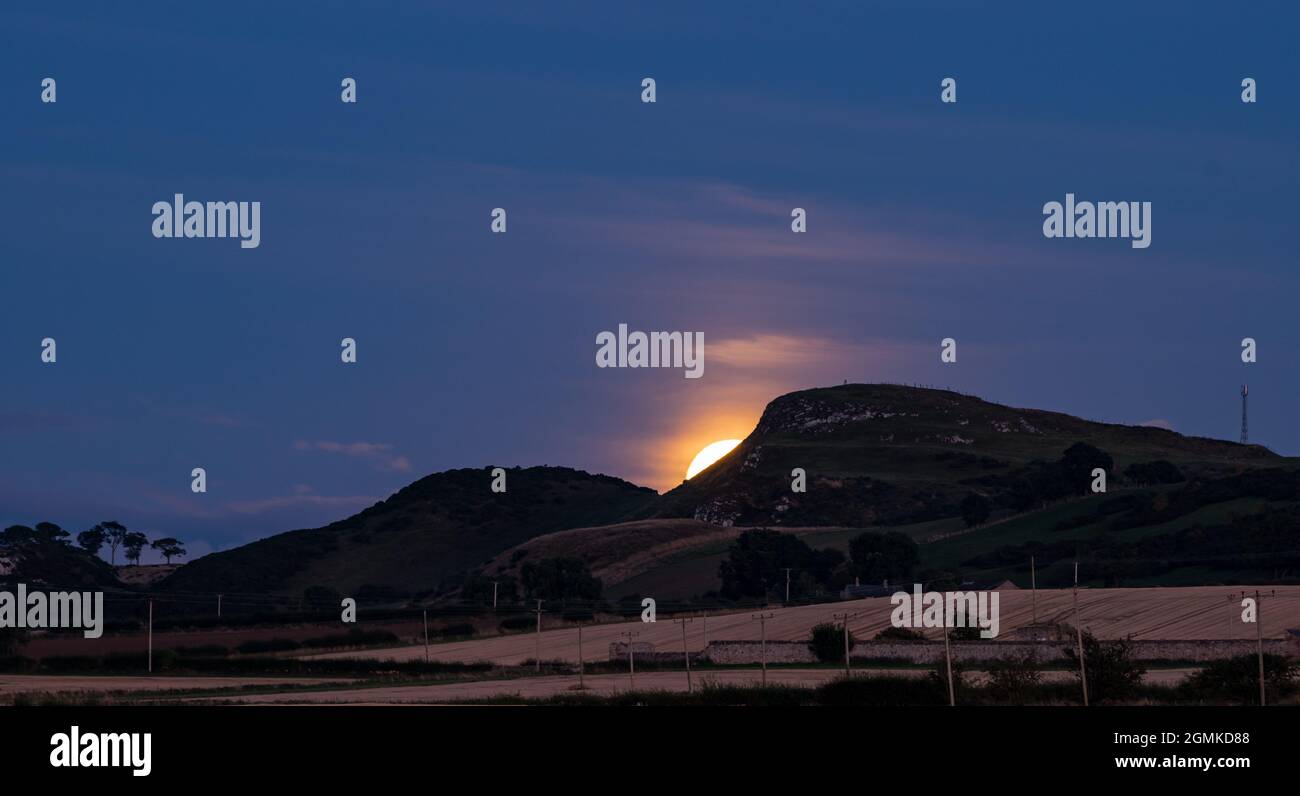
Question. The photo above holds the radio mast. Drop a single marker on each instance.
(1245, 437)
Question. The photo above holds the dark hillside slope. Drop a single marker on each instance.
(425, 534)
(880, 454)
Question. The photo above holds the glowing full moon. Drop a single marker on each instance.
(711, 453)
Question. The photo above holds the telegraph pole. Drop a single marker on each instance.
(686, 653)
(947, 654)
(848, 671)
(151, 636)
(537, 646)
(787, 585)
(1033, 585)
(1078, 632)
(494, 595)
(581, 682)
(1259, 636)
(631, 658)
(426, 635)
(762, 624)
(218, 606)
(1259, 622)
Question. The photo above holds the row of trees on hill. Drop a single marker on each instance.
(111, 534)
(757, 561)
(114, 534)
(1040, 483)
(559, 579)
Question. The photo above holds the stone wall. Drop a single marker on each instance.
(744, 652)
(647, 653)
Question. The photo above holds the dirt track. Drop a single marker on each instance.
(1201, 612)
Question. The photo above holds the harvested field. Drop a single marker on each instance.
(144, 575)
(617, 553)
(44, 646)
(1201, 612)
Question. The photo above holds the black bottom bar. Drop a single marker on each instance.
(329, 745)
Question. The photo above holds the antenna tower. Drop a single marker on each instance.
(1245, 437)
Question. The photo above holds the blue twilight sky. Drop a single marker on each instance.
(478, 349)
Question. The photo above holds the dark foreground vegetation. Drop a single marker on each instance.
(882, 691)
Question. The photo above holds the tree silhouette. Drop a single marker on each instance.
(168, 547)
(50, 531)
(114, 534)
(133, 544)
(883, 556)
(91, 540)
(17, 536)
(975, 509)
(1078, 462)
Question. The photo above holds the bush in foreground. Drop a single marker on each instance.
(1014, 680)
(1113, 673)
(1237, 679)
(827, 642)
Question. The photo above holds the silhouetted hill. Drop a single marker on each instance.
(880, 454)
(427, 533)
(37, 557)
(875, 456)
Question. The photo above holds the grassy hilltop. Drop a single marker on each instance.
(876, 457)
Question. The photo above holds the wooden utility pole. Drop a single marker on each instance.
(1033, 585)
(848, 671)
(631, 657)
(947, 654)
(494, 595)
(426, 635)
(150, 661)
(686, 653)
(581, 682)
(1259, 640)
(537, 645)
(762, 624)
(218, 606)
(787, 585)
(1259, 636)
(1078, 633)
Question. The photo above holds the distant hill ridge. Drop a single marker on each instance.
(435, 529)
(874, 454)
(890, 454)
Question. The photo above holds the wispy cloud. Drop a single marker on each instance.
(225, 421)
(196, 507)
(1158, 422)
(779, 351)
(379, 454)
(691, 221)
(263, 505)
(39, 420)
